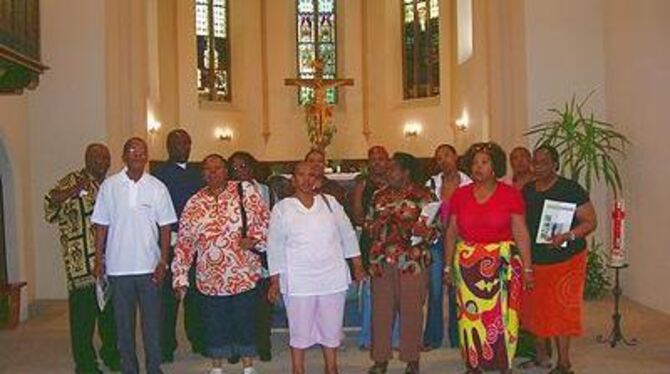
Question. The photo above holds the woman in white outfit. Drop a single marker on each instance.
(309, 241)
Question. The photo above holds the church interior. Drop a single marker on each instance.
(410, 75)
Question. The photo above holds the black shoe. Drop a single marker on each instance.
(113, 362)
(412, 367)
(198, 349)
(91, 370)
(167, 357)
(234, 359)
(379, 368)
(265, 355)
(113, 365)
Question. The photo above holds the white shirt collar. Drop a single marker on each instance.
(182, 165)
(127, 179)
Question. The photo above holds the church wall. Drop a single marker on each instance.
(506, 48)
(564, 54)
(638, 92)
(382, 106)
(565, 57)
(66, 112)
(470, 81)
(16, 179)
(389, 113)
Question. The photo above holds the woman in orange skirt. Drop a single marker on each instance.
(553, 308)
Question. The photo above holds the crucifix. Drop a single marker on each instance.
(319, 113)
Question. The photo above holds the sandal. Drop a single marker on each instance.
(379, 368)
(534, 363)
(559, 369)
(412, 368)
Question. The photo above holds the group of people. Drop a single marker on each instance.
(227, 246)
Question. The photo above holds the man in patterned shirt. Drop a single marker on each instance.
(70, 205)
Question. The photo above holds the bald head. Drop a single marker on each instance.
(179, 145)
(135, 154)
(97, 160)
(134, 143)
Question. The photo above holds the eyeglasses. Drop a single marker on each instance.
(241, 167)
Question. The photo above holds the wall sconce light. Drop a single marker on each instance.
(463, 122)
(412, 129)
(152, 124)
(223, 134)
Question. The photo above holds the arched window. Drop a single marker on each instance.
(213, 49)
(420, 47)
(316, 39)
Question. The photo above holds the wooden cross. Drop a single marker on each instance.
(319, 111)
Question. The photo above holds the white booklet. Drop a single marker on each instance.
(430, 212)
(102, 292)
(556, 219)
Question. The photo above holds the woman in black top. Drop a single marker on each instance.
(553, 307)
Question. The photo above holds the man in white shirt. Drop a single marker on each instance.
(132, 207)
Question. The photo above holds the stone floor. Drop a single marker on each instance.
(42, 346)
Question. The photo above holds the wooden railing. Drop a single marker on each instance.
(20, 65)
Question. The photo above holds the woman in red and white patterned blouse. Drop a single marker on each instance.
(224, 224)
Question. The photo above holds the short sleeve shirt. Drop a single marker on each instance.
(133, 211)
(490, 221)
(564, 190)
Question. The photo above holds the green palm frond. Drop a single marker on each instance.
(588, 147)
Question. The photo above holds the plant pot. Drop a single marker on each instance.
(10, 305)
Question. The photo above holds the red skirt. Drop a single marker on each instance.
(554, 306)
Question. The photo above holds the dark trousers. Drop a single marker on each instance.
(434, 330)
(192, 318)
(129, 291)
(193, 323)
(231, 324)
(84, 313)
(394, 292)
(453, 318)
(263, 318)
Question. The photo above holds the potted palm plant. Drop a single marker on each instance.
(589, 149)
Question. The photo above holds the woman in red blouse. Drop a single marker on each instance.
(487, 218)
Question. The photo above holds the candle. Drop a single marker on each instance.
(617, 252)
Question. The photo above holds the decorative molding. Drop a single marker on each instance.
(20, 65)
(265, 105)
(364, 71)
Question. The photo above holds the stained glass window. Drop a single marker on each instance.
(213, 49)
(421, 52)
(316, 31)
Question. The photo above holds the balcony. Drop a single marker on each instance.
(20, 65)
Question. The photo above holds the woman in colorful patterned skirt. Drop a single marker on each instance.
(554, 307)
(486, 263)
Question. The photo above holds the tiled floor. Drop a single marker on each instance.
(42, 346)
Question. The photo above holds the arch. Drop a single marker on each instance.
(11, 230)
